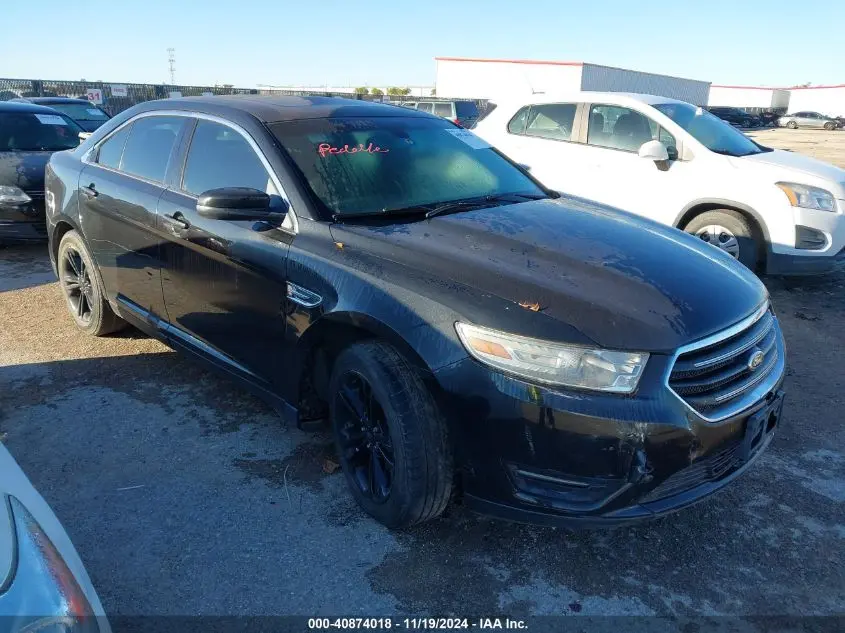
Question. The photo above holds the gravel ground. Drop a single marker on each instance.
(185, 495)
(821, 144)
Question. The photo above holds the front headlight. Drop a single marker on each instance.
(554, 363)
(44, 596)
(808, 197)
(12, 195)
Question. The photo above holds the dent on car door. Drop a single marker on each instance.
(224, 280)
(119, 190)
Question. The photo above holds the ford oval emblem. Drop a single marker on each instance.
(755, 359)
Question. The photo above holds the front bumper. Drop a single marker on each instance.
(537, 455)
(788, 260)
(23, 223)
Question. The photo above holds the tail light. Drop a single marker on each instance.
(457, 122)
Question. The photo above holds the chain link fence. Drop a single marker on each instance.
(114, 97)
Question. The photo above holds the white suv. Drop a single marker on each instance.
(777, 211)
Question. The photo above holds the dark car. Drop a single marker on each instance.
(28, 135)
(87, 115)
(458, 325)
(463, 113)
(734, 116)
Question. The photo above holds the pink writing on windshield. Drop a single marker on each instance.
(325, 149)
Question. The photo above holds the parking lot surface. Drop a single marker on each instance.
(185, 495)
(821, 144)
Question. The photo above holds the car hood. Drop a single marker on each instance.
(24, 169)
(795, 161)
(623, 282)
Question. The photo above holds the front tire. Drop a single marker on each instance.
(390, 436)
(729, 231)
(792, 125)
(830, 126)
(82, 288)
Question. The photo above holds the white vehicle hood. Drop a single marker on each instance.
(794, 161)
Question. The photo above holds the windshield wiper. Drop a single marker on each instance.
(441, 208)
(491, 200)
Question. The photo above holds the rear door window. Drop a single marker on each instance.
(551, 120)
(149, 146)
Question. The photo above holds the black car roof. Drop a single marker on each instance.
(23, 106)
(270, 109)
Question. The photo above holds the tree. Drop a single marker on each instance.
(398, 92)
(376, 91)
(361, 91)
(434, 92)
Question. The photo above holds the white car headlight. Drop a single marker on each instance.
(808, 197)
(554, 363)
(12, 195)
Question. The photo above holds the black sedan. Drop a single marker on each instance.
(87, 115)
(29, 134)
(735, 116)
(459, 326)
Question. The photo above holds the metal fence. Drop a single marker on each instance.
(115, 97)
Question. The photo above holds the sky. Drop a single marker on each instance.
(382, 42)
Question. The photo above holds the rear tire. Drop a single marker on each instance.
(792, 125)
(405, 423)
(719, 226)
(82, 287)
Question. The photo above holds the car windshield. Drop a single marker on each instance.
(41, 131)
(711, 131)
(80, 111)
(380, 165)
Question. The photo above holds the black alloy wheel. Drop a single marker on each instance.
(390, 435)
(82, 288)
(77, 285)
(364, 438)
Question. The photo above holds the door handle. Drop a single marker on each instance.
(89, 191)
(177, 220)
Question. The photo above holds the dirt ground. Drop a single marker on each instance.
(185, 495)
(821, 144)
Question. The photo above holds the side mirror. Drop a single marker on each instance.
(653, 150)
(234, 203)
(84, 135)
(524, 167)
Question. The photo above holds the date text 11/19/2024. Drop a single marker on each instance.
(427, 624)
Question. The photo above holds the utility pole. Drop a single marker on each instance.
(171, 59)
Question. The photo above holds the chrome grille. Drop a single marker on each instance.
(717, 377)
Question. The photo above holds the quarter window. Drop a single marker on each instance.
(425, 107)
(517, 123)
(618, 128)
(221, 157)
(112, 149)
(551, 120)
(148, 148)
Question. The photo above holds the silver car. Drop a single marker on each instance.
(43, 585)
(809, 120)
